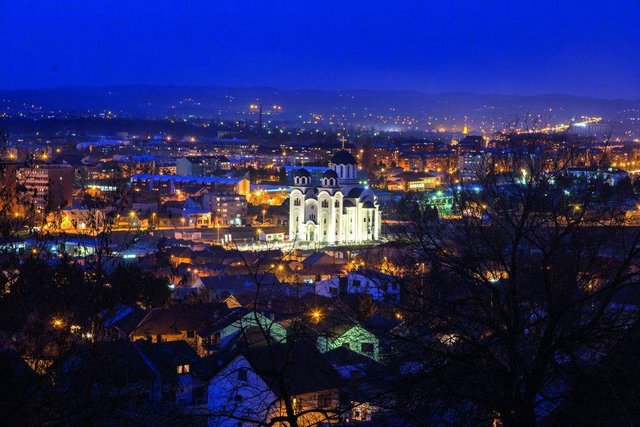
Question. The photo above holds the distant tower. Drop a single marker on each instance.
(465, 129)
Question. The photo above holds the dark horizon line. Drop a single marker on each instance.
(274, 88)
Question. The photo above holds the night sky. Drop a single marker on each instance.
(511, 47)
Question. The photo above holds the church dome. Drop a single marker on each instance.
(329, 173)
(368, 205)
(343, 157)
(301, 172)
(355, 193)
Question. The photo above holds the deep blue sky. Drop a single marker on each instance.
(517, 47)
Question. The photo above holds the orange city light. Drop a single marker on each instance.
(316, 315)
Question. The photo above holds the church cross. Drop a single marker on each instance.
(343, 140)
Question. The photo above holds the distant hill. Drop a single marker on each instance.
(358, 106)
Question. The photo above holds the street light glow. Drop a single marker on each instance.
(316, 315)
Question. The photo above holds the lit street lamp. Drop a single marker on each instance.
(316, 315)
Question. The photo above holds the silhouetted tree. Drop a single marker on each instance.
(526, 288)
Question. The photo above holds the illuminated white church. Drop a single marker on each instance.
(337, 210)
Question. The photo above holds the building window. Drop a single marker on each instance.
(206, 342)
(325, 203)
(242, 374)
(296, 202)
(337, 204)
(183, 369)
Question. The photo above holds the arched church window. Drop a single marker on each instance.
(325, 203)
(337, 204)
(296, 202)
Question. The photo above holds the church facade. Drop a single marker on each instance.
(337, 210)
